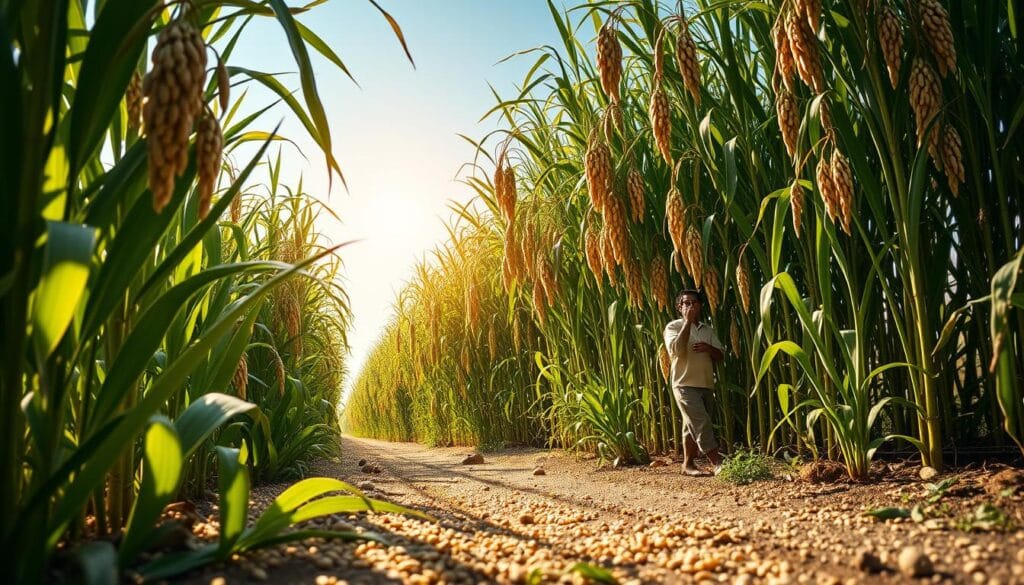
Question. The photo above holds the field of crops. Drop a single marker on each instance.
(841, 178)
(172, 320)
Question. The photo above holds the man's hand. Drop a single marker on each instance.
(702, 347)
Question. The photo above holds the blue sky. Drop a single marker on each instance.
(396, 134)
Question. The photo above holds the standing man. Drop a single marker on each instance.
(693, 349)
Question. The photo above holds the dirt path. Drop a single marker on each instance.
(498, 522)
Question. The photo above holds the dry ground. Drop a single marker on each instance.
(498, 522)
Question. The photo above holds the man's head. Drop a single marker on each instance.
(689, 303)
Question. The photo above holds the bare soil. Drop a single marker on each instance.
(499, 522)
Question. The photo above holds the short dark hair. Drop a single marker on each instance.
(688, 291)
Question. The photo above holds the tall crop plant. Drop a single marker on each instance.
(126, 314)
(849, 159)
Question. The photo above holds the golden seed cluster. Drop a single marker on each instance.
(173, 97)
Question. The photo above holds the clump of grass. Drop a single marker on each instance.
(746, 467)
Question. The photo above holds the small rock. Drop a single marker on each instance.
(258, 574)
(367, 486)
(526, 519)
(657, 463)
(370, 468)
(362, 462)
(928, 473)
(869, 562)
(539, 471)
(914, 563)
(487, 488)
(474, 459)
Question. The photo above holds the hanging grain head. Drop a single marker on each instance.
(659, 283)
(925, 97)
(661, 121)
(511, 191)
(635, 189)
(592, 249)
(472, 306)
(529, 248)
(634, 281)
(209, 142)
(236, 208)
(465, 358)
(804, 46)
(540, 303)
(842, 179)
(686, 60)
(598, 166)
(952, 158)
(492, 343)
(608, 255)
(734, 337)
(823, 175)
(796, 203)
(743, 284)
(517, 333)
(825, 116)
(712, 289)
(939, 34)
(279, 373)
(694, 255)
(172, 98)
(546, 277)
(675, 214)
(811, 10)
(785, 65)
(133, 102)
(665, 362)
(615, 220)
(890, 39)
(609, 59)
(240, 379)
(788, 119)
(500, 190)
(512, 253)
(678, 262)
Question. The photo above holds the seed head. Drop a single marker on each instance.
(785, 66)
(540, 303)
(811, 9)
(711, 288)
(133, 102)
(635, 188)
(890, 38)
(240, 380)
(796, 202)
(634, 281)
(823, 175)
(694, 255)
(608, 255)
(209, 142)
(615, 221)
(686, 59)
(842, 180)
(492, 343)
(939, 34)
(925, 96)
(598, 167)
(609, 59)
(593, 252)
(659, 283)
(743, 284)
(172, 98)
(675, 213)
(661, 121)
(804, 45)
(952, 159)
(788, 119)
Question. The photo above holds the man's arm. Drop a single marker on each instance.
(677, 343)
(715, 349)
